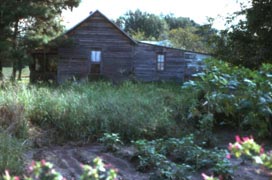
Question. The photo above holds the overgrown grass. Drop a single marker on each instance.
(11, 150)
(86, 111)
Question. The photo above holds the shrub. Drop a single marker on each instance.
(231, 95)
(185, 154)
(112, 141)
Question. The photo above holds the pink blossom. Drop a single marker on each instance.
(108, 165)
(204, 176)
(16, 178)
(33, 163)
(115, 169)
(238, 139)
(30, 168)
(228, 156)
(43, 162)
(238, 146)
(246, 138)
(261, 150)
(230, 146)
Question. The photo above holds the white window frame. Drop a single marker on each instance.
(160, 62)
(95, 56)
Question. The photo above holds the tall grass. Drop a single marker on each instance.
(11, 150)
(86, 111)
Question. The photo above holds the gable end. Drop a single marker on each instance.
(98, 13)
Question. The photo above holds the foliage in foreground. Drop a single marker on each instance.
(153, 154)
(186, 157)
(247, 147)
(233, 96)
(44, 171)
(11, 150)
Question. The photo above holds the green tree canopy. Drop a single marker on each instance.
(136, 22)
(182, 32)
(185, 38)
(179, 22)
(25, 24)
(248, 43)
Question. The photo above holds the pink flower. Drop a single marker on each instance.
(30, 168)
(246, 138)
(33, 163)
(108, 165)
(237, 138)
(16, 178)
(43, 162)
(230, 146)
(115, 169)
(261, 150)
(238, 146)
(205, 177)
(228, 156)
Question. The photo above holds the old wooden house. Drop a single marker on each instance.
(100, 48)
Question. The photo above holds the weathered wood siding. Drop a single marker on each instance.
(145, 63)
(96, 32)
(194, 63)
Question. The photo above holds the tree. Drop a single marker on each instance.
(259, 26)
(248, 43)
(184, 32)
(179, 22)
(150, 25)
(25, 21)
(185, 38)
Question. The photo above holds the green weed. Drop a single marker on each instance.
(11, 150)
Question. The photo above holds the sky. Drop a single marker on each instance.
(197, 10)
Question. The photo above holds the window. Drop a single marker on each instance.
(160, 62)
(96, 56)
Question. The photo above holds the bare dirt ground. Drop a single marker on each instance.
(67, 160)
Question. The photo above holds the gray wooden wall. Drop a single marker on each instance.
(96, 32)
(145, 63)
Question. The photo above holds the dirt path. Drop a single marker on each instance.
(67, 160)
